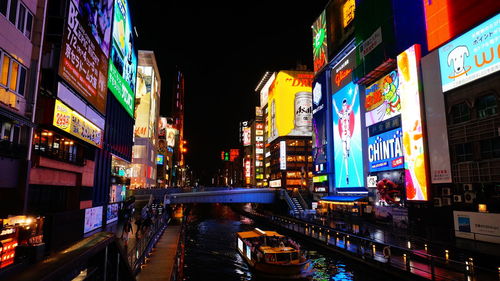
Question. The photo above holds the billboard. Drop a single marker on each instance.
(146, 102)
(319, 139)
(112, 213)
(319, 42)
(73, 123)
(477, 226)
(290, 105)
(339, 23)
(83, 62)
(382, 99)
(435, 115)
(471, 56)
(247, 136)
(93, 219)
(342, 72)
(347, 144)
(414, 139)
(160, 159)
(446, 19)
(123, 58)
(171, 136)
(385, 151)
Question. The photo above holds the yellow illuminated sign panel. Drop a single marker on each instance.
(289, 96)
(73, 123)
(348, 11)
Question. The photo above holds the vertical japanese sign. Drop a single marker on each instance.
(83, 63)
(416, 175)
(123, 58)
(282, 155)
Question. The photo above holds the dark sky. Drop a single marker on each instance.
(223, 50)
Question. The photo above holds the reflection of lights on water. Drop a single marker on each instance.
(379, 235)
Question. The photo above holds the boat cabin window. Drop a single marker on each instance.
(295, 255)
(283, 257)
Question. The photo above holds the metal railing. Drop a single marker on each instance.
(58, 154)
(177, 270)
(139, 252)
(410, 260)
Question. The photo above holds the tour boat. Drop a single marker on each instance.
(273, 255)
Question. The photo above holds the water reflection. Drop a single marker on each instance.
(211, 250)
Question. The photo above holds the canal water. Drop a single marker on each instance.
(211, 254)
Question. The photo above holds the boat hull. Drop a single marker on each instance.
(279, 271)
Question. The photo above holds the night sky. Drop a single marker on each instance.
(223, 50)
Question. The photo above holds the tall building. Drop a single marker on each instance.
(147, 113)
(178, 172)
(84, 115)
(21, 31)
(288, 129)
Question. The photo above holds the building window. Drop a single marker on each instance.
(12, 75)
(490, 148)
(460, 113)
(18, 14)
(57, 147)
(463, 152)
(486, 106)
(3, 7)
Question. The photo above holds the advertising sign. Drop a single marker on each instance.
(319, 42)
(382, 99)
(112, 213)
(83, 64)
(71, 122)
(370, 43)
(385, 151)
(290, 105)
(339, 23)
(435, 116)
(162, 127)
(342, 71)
(171, 135)
(471, 56)
(247, 136)
(145, 108)
(416, 177)
(275, 183)
(160, 159)
(347, 144)
(123, 58)
(93, 219)
(319, 145)
(282, 155)
(477, 226)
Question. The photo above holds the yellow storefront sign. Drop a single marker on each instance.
(73, 123)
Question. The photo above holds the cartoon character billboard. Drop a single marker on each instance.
(382, 99)
(471, 56)
(348, 153)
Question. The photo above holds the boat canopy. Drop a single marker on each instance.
(258, 233)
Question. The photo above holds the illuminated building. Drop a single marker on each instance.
(287, 112)
(147, 107)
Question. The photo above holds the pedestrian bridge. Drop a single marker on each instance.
(227, 195)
